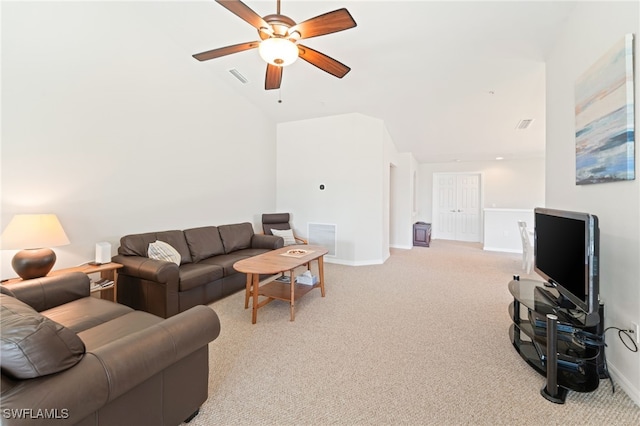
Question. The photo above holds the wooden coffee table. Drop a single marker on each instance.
(275, 262)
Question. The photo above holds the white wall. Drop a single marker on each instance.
(403, 197)
(108, 127)
(351, 155)
(513, 184)
(502, 232)
(590, 32)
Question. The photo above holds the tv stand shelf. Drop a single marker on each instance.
(580, 365)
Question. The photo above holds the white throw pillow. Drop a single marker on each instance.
(287, 234)
(163, 251)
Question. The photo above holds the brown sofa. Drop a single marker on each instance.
(69, 358)
(205, 273)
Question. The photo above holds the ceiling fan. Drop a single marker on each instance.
(279, 37)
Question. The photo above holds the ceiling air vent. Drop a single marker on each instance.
(234, 72)
(524, 123)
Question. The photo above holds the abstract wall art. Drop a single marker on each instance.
(604, 111)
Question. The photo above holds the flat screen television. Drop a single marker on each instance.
(566, 247)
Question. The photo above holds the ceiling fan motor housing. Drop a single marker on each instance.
(280, 25)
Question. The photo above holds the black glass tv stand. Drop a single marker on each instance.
(540, 323)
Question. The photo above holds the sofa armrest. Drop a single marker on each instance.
(263, 241)
(158, 271)
(51, 291)
(71, 395)
(149, 285)
(137, 357)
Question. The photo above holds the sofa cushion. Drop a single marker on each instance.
(117, 328)
(236, 236)
(138, 244)
(86, 313)
(6, 290)
(177, 241)
(32, 344)
(203, 242)
(160, 250)
(198, 274)
(250, 252)
(226, 261)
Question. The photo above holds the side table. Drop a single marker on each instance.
(106, 270)
(421, 234)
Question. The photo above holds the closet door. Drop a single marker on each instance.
(456, 206)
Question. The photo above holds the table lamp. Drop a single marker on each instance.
(32, 234)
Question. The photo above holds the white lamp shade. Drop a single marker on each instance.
(31, 231)
(278, 51)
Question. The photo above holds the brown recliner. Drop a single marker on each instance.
(278, 221)
(69, 358)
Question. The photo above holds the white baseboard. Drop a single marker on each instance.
(627, 386)
(400, 246)
(353, 263)
(501, 249)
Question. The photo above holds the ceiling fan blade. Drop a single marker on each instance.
(244, 12)
(273, 77)
(322, 61)
(223, 51)
(330, 22)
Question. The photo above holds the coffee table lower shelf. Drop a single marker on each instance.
(276, 290)
(282, 291)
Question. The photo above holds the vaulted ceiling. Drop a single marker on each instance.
(450, 79)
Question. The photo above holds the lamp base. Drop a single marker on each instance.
(33, 263)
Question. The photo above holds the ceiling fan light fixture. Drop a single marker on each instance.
(278, 51)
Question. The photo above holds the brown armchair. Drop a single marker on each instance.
(69, 358)
(280, 222)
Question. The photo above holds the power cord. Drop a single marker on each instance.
(599, 340)
(625, 332)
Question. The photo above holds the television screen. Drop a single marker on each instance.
(566, 254)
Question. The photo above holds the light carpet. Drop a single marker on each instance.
(420, 340)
